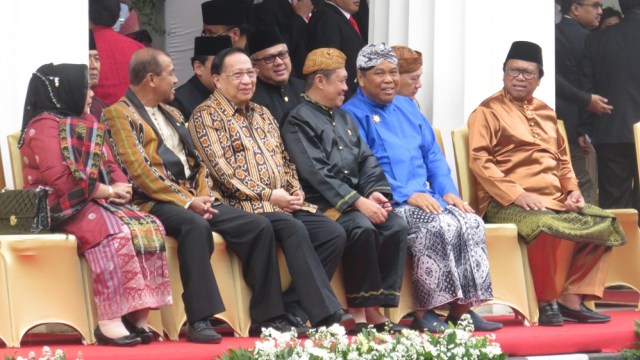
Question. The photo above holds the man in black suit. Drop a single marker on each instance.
(276, 89)
(572, 101)
(290, 17)
(611, 58)
(333, 26)
(192, 93)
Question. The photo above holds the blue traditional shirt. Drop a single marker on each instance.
(404, 143)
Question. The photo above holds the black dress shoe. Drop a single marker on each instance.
(389, 326)
(430, 322)
(357, 328)
(296, 322)
(479, 324)
(584, 315)
(550, 315)
(279, 324)
(146, 336)
(127, 340)
(339, 317)
(202, 332)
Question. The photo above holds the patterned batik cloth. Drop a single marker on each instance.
(448, 257)
(123, 280)
(591, 225)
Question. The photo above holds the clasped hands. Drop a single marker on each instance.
(287, 202)
(121, 194)
(203, 206)
(376, 207)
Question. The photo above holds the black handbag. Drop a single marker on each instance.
(24, 211)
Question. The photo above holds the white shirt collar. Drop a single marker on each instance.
(346, 14)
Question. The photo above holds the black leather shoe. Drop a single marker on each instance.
(279, 324)
(296, 322)
(584, 315)
(430, 322)
(389, 326)
(202, 332)
(339, 317)
(550, 315)
(479, 324)
(146, 336)
(128, 340)
(357, 328)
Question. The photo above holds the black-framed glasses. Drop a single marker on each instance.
(238, 75)
(283, 55)
(595, 5)
(525, 73)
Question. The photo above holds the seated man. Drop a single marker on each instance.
(276, 89)
(151, 144)
(525, 177)
(446, 239)
(249, 169)
(340, 174)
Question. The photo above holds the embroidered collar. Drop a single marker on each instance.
(325, 108)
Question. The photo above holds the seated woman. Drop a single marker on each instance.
(63, 149)
(446, 239)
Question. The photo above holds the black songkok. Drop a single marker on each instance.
(92, 41)
(525, 50)
(210, 45)
(225, 12)
(104, 12)
(264, 38)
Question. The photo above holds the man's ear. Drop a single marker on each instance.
(198, 68)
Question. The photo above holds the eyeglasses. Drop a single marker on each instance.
(525, 73)
(238, 75)
(595, 5)
(283, 55)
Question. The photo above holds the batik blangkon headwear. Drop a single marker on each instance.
(373, 54)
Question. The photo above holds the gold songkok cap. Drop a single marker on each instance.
(323, 59)
(408, 60)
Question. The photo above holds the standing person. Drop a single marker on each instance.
(291, 18)
(63, 149)
(115, 50)
(152, 145)
(341, 176)
(525, 177)
(446, 239)
(572, 100)
(250, 170)
(226, 17)
(333, 26)
(276, 89)
(200, 86)
(610, 62)
(97, 105)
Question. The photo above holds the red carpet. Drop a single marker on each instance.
(515, 339)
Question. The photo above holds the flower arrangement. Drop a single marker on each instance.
(633, 354)
(333, 343)
(47, 354)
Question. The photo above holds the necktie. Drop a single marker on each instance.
(354, 24)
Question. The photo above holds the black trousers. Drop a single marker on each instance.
(617, 176)
(373, 260)
(248, 235)
(312, 245)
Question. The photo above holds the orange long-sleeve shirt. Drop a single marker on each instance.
(517, 147)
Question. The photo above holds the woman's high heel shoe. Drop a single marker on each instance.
(127, 340)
